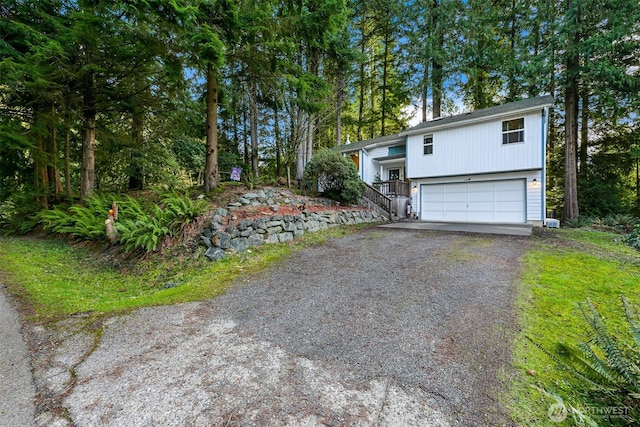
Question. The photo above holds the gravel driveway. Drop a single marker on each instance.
(384, 327)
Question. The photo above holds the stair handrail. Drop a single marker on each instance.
(379, 199)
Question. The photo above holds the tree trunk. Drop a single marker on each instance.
(362, 92)
(571, 210)
(245, 141)
(425, 91)
(253, 117)
(40, 164)
(53, 169)
(436, 61)
(67, 156)
(584, 132)
(88, 170)
(211, 173)
(385, 74)
(511, 72)
(300, 158)
(136, 178)
(339, 101)
(276, 128)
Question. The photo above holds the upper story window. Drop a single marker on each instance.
(397, 150)
(513, 131)
(428, 144)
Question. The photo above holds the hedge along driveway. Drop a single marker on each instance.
(390, 327)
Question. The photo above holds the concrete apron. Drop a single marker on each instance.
(486, 228)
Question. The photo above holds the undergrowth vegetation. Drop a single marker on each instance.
(141, 224)
(626, 225)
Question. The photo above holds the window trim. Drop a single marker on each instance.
(427, 142)
(506, 133)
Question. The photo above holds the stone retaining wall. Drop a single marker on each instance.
(221, 237)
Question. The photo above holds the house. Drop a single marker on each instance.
(484, 166)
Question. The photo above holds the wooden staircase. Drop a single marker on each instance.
(378, 201)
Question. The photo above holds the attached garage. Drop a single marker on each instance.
(501, 201)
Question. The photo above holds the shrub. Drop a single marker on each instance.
(334, 175)
(606, 368)
(633, 238)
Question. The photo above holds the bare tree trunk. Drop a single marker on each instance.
(571, 210)
(276, 128)
(53, 169)
(385, 73)
(41, 180)
(362, 92)
(88, 169)
(300, 159)
(309, 138)
(425, 91)
(136, 178)
(584, 132)
(253, 118)
(245, 141)
(211, 173)
(339, 100)
(436, 61)
(511, 83)
(67, 156)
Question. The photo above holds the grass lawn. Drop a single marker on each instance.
(55, 279)
(564, 269)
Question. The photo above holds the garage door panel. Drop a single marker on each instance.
(455, 217)
(487, 187)
(455, 206)
(481, 207)
(481, 196)
(491, 201)
(509, 196)
(455, 197)
(481, 217)
(508, 206)
(506, 216)
(455, 188)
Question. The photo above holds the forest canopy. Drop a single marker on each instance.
(100, 96)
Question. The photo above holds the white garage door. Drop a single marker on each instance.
(490, 201)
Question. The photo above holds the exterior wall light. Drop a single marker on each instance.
(534, 182)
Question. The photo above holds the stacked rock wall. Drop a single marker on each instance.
(224, 236)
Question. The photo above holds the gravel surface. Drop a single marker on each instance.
(384, 327)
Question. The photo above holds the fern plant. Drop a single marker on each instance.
(144, 233)
(608, 370)
(79, 221)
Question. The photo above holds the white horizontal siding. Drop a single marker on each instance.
(372, 167)
(475, 149)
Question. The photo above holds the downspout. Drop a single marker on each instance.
(543, 178)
